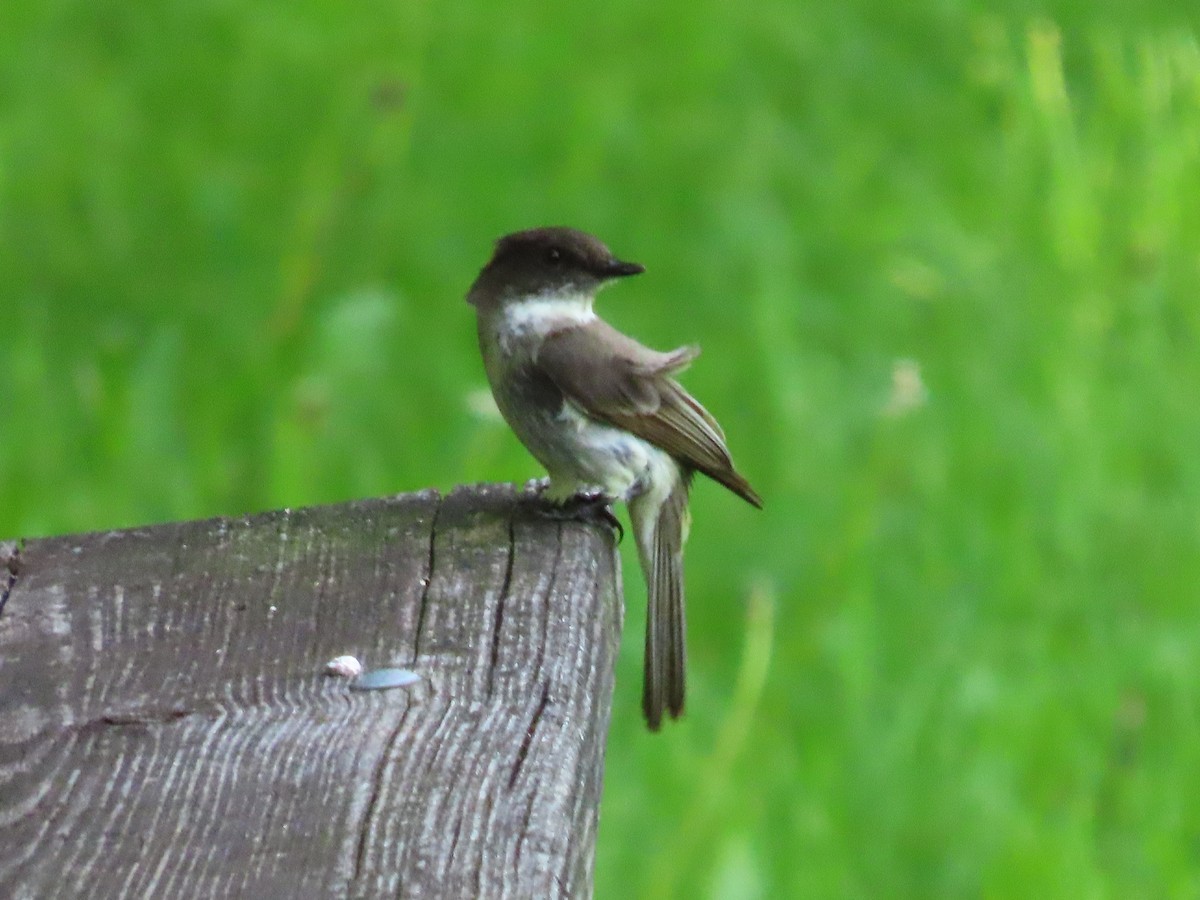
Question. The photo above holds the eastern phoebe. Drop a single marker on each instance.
(603, 414)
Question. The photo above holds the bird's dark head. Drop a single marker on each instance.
(546, 263)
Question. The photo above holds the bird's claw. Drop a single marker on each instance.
(599, 509)
(587, 507)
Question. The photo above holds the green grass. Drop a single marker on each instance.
(958, 655)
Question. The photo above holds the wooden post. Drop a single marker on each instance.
(166, 729)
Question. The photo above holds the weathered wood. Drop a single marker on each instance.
(165, 729)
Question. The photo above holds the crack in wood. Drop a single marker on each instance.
(10, 558)
(424, 603)
(519, 763)
(131, 718)
(527, 741)
(145, 717)
(364, 831)
(545, 635)
(458, 824)
(501, 600)
(525, 826)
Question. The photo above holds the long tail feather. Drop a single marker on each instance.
(661, 533)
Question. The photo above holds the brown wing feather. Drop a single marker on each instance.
(616, 380)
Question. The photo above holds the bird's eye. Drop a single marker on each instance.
(554, 255)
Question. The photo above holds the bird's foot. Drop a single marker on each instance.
(535, 487)
(586, 506)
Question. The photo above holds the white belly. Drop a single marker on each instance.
(583, 454)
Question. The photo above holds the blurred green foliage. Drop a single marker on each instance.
(945, 264)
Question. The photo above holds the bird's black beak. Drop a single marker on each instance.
(618, 269)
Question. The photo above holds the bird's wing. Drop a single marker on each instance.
(616, 380)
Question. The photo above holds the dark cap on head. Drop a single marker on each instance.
(547, 261)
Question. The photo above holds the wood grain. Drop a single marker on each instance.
(165, 729)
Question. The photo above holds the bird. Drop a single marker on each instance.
(606, 417)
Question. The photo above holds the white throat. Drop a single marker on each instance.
(537, 316)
